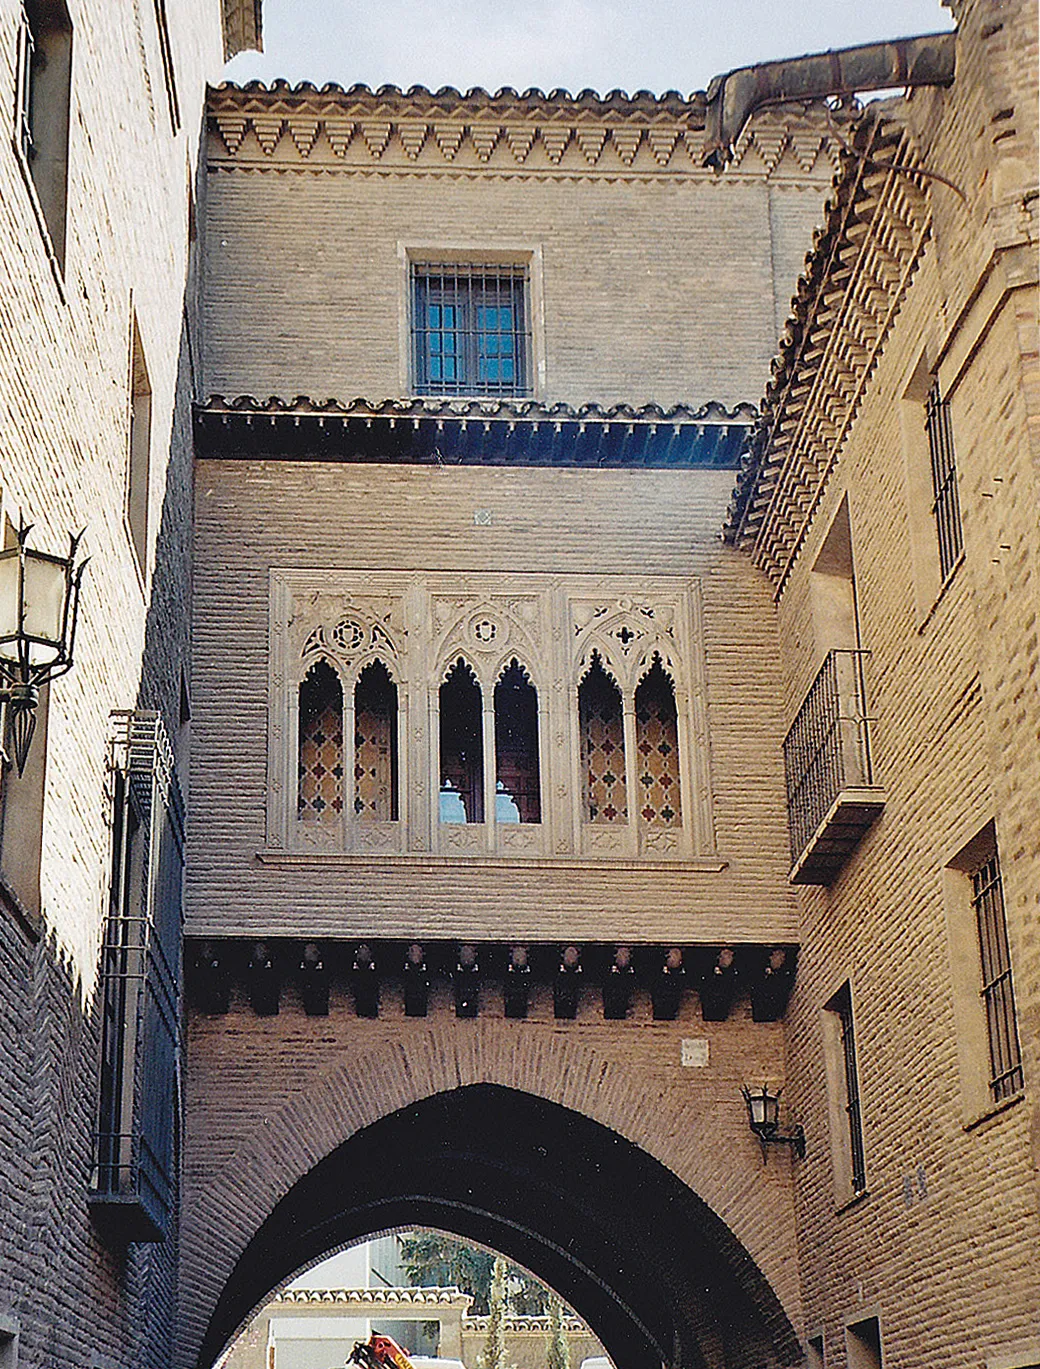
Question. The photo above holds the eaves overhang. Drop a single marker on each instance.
(243, 27)
(477, 432)
(863, 258)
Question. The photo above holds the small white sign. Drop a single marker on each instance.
(482, 518)
(694, 1052)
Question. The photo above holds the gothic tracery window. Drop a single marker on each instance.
(375, 745)
(461, 747)
(657, 748)
(517, 778)
(601, 720)
(320, 791)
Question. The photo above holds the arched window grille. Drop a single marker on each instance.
(602, 724)
(462, 747)
(657, 747)
(517, 779)
(320, 793)
(375, 745)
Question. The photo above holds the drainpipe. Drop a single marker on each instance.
(734, 97)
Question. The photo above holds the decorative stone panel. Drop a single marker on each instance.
(418, 625)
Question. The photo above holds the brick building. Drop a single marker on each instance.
(101, 104)
(544, 790)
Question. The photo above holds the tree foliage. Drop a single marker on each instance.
(558, 1350)
(433, 1259)
(494, 1355)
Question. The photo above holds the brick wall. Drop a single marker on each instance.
(64, 379)
(660, 282)
(253, 516)
(940, 1246)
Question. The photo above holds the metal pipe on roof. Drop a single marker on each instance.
(733, 97)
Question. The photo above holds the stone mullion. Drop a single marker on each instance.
(489, 776)
(628, 705)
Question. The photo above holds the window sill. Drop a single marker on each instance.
(993, 1110)
(941, 595)
(276, 856)
(41, 220)
(29, 923)
(847, 1204)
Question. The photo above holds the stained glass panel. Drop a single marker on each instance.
(320, 795)
(657, 747)
(602, 747)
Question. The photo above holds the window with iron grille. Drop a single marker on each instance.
(44, 83)
(998, 995)
(945, 505)
(847, 1082)
(133, 1185)
(470, 329)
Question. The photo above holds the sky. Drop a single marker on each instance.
(602, 45)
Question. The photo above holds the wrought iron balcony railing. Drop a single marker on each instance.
(831, 795)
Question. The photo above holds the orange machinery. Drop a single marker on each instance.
(379, 1352)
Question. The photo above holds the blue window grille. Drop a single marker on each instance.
(470, 330)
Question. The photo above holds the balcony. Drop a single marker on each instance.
(831, 795)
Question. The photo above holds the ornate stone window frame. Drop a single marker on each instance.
(419, 624)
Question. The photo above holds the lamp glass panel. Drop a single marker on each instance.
(9, 569)
(44, 593)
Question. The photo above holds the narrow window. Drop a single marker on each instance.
(997, 991)
(863, 1344)
(470, 331)
(601, 720)
(517, 783)
(945, 505)
(139, 456)
(843, 1091)
(657, 742)
(462, 747)
(42, 118)
(135, 1160)
(375, 745)
(321, 745)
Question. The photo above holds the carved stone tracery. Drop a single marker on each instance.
(418, 626)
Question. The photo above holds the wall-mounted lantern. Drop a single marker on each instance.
(39, 602)
(763, 1110)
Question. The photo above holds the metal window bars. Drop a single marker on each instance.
(133, 1185)
(945, 506)
(857, 1164)
(997, 993)
(24, 99)
(470, 329)
(828, 746)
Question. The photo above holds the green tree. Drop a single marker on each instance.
(433, 1259)
(558, 1350)
(494, 1355)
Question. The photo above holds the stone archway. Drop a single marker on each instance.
(650, 1211)
(655, 1273)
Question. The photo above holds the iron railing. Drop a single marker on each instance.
(828, 746)
(135, 1141)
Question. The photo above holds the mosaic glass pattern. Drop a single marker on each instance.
(602, 746)
(375, 745)
(657, 748)
(320, 795)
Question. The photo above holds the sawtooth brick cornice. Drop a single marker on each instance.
(283, 127)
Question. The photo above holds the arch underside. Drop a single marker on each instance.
(656, 1274)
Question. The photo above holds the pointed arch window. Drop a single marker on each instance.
(602, 724)
(375, 745)
(461, 746)
(657, 748)
(320, 791)
(517, 776)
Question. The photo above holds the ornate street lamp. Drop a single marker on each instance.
(764, 1119)
(39, 601)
